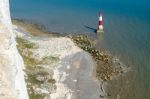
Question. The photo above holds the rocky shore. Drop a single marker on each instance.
(57, 71)
(56, 67)
(108, 66)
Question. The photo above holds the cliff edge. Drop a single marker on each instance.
(12, 83)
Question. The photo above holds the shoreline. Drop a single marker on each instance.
(95, 59)
(37, 29)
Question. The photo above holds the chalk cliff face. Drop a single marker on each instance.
(12, 83)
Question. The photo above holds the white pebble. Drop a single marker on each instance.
(68, 67)
(75, 80)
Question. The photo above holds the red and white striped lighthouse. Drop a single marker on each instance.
(100, 23)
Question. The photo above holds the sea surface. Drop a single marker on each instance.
(126, 33)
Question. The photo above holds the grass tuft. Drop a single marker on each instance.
(23, 44)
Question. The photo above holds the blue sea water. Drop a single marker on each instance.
(126, 26)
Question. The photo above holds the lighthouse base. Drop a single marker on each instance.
(99, 31)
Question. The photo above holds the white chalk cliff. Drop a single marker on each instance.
(12, 83)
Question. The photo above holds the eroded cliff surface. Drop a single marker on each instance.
(12, 83)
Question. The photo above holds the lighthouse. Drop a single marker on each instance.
(100, 23)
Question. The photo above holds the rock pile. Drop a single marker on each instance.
(105, 66)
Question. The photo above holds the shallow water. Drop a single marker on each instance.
(127, 33)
